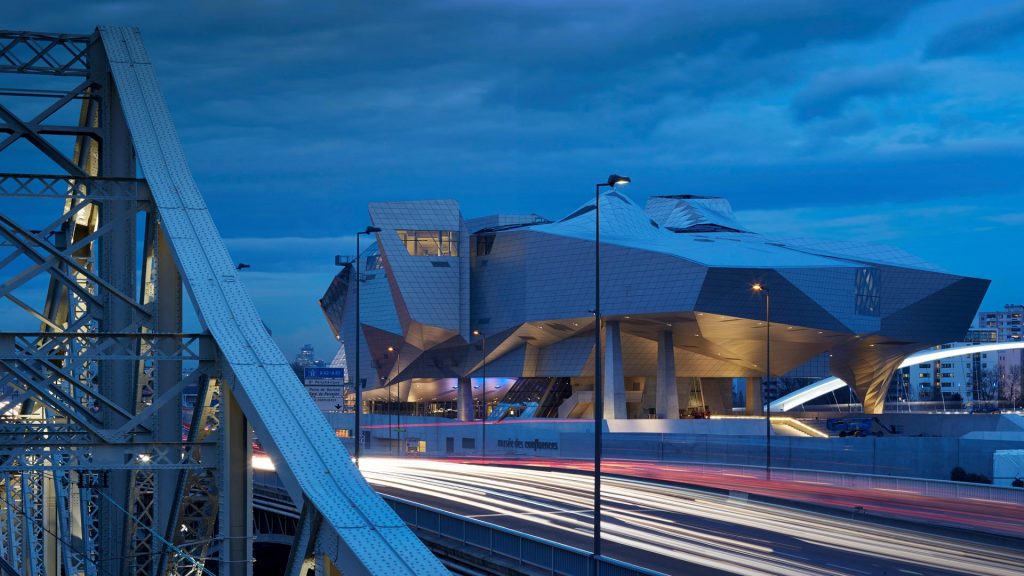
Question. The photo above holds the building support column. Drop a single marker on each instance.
(465, 399)
(755, 404)
(614, 378)
(667, 403)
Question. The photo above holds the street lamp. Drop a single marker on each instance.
(613, 181)
(398, 414)
(359, 329)
(483, 395)
(762, 289)
(391, 405)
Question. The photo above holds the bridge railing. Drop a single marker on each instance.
(516, 547)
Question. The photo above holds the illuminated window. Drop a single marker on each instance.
(343, 433)
(430, 242)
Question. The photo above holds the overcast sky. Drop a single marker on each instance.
(891, 121)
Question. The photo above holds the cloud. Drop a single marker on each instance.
(1012, 218)
(291, 254)
(288, 304)
(293, 119)
(290, 244)
(828, 94)
(573, 58)
(894, 222)
(979, 35)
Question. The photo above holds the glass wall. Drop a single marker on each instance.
(430, 242)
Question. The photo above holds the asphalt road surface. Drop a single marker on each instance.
(676, 530)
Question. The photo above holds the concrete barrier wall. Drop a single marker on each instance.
(919, 457)
(908, 456)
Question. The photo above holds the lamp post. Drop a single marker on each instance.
(613, 181)
(762, 289)
(391, 404)
(483, 395)
(359, 330)
(398, 413)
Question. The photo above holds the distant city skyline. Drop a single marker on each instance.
(896, 122)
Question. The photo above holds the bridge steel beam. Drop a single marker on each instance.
(111, 462)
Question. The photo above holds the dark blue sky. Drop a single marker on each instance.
(892, 121)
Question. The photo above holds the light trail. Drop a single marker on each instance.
(832, 383)
(984, 515)
(687, 526)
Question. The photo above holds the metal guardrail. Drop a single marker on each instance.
(521, 549)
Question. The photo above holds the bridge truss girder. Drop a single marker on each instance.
(125, 443)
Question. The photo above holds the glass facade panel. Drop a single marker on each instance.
(374, 262)
(430, 242)
(867, 293)
(484, 243)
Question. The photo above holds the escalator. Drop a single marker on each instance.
(533, 398)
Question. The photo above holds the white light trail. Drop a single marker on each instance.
(645, 516)
(830, 384)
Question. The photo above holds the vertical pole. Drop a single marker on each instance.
(358, 383)
(391, 403)
(398, 362)
(767, 391)
(483, 397)
(598, 385)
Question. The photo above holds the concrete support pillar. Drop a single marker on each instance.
(614, 378)
(668, 391)
(755, 404)
(465, 400)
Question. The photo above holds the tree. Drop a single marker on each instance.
(987, 386)
(1010, 384)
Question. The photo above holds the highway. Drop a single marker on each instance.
(904, 503)
(676, 530)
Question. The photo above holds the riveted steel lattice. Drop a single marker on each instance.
(126, 442)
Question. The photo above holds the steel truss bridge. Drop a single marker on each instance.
(101, 252)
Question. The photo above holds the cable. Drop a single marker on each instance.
(195, 563)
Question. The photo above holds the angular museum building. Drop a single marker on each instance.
(454, 309)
